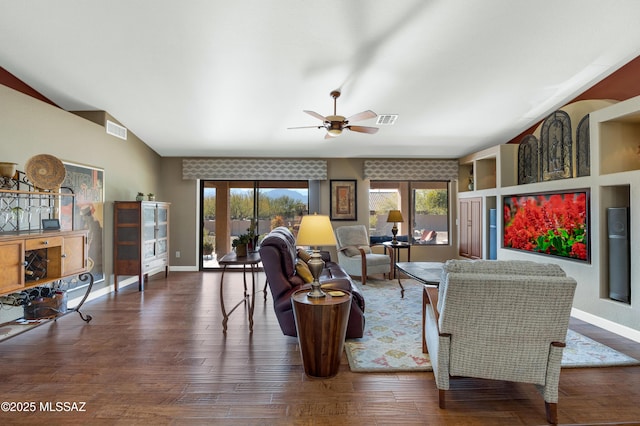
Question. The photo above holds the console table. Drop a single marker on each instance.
(251, 260)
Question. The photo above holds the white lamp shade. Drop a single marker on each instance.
(316, 230)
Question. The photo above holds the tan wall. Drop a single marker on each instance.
(29, 127)
(183, 195)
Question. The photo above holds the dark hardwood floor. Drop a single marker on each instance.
(160, 357)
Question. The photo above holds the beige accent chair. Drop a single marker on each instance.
(355, 255)
(500, 320)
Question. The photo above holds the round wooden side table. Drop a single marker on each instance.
(322, 326)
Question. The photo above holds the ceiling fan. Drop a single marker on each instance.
(335, 124)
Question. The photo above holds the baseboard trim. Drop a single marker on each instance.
(184, 268)
(611, 326)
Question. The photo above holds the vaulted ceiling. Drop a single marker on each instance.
(221, 78)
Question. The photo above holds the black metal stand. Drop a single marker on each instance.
(84, 277)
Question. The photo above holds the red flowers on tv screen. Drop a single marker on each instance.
(555, 224)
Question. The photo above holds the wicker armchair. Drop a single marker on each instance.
(500, 320)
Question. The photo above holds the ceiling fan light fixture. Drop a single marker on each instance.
(334, 125)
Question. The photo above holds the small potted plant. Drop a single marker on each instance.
(207, 248)
(140, 196)
(151, 196)
(240, 244)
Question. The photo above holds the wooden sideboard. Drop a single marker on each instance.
(36, 258)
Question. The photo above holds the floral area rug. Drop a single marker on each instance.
(393, 335)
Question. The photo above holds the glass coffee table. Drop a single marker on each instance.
(428, 273)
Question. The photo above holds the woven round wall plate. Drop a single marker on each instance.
(45, 171)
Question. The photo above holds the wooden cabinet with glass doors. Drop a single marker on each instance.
(140, 240)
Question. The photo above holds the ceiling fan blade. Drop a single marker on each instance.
(362, 129)
(316, 115)
(306, 127)
(364, 115)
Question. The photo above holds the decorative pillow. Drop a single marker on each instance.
(355, 251)
(304, 255)
(351, 251)
(302, 269)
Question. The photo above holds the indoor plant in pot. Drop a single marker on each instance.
(207, 248)
(244, 242)
(240, 244)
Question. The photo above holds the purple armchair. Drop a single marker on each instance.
(279, 254)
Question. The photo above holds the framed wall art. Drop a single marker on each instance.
(549, 223)
(87, 183)
(343, 200)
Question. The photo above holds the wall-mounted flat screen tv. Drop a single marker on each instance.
(550, 223)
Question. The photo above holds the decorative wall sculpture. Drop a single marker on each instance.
(556, 147)
(528, 171)
(583, 162)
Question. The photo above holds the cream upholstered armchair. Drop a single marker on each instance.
(500, 320)
(355, 255)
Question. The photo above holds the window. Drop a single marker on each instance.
(229, 208)
(430, 212)
(424, 206)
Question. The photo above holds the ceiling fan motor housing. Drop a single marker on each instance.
(334, 124)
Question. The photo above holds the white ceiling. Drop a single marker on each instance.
(226, 78)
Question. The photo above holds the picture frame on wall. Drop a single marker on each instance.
(554, 223)
(87, 211)
(343, 202)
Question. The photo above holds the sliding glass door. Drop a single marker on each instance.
(230, 208)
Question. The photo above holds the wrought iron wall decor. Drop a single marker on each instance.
(528, 171)
(556, 147)
(583, 162)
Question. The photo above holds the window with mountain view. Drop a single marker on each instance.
(257, 205)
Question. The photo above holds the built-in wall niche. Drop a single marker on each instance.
(492, 168)
(485, 173)
(620, 144)
(465, 178)
(615, 236)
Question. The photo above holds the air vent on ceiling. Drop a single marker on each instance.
(387, 119)
(116, 130)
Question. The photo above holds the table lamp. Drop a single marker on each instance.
(395, 216)
(315, 231)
